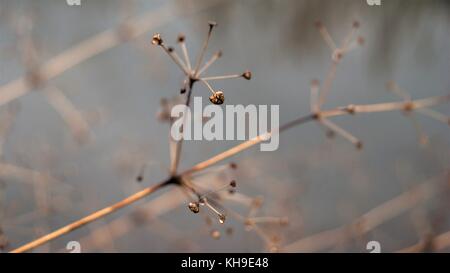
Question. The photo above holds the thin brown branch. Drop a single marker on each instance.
(92, 217)
(368, 221)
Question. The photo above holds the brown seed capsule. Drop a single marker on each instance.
(247, 75)
(233, 184)
(194, 207)
(359, 145)
(222, 218)
(181, 38)
(170, 49)
(157, 40)
(337, 55)
(217, 98)
(233, 166)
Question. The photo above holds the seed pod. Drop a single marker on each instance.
(181, 38)
(247, 75)
(194, 207)
(222, 218)
(157, 40)
(217, 98)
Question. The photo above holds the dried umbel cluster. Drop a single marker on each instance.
(195, 73)
(319, 92)
(204, 202)
(411, 107)
(199, 197)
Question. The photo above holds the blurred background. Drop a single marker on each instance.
(75, 141)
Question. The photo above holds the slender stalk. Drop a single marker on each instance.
(366, 222)
(179, 144)
(177, 60)
(92, 217)
(226, 77)
(214, 58)
(203, 50)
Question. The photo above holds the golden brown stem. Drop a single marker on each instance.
(90, 218)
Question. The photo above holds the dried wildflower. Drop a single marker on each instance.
(411, 106)
(194, 73)
(319, 93)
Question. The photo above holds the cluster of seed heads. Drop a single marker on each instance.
(195, 73)
(203, 200)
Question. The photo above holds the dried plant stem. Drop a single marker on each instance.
(226, 77)
(325, 90)
(367, 221)
(71, 116)
(175, 160)
(214, 58)
(437, 243)
(386, 107)
(92, 217)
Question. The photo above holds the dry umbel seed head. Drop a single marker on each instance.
(217, 98)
